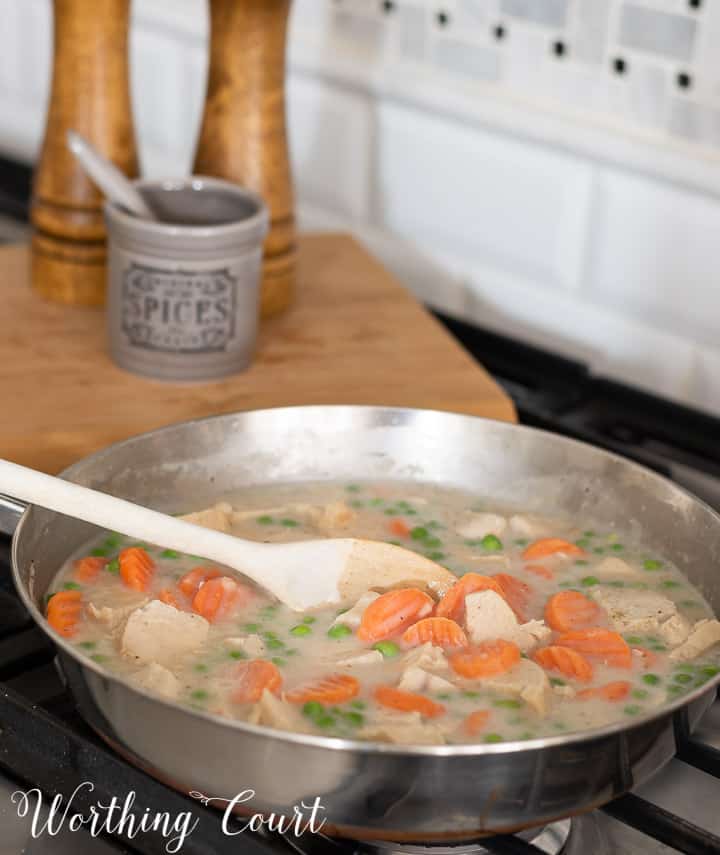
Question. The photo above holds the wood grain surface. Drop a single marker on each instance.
(90, 94)
(243, 136)
(353, 336)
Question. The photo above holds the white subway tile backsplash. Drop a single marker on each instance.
(549, 13)
(471, 60)
(590, 31)
(413, 32)
(658, 32)
(483, 197)
(656, 255)
(694, 121)
(331, 140)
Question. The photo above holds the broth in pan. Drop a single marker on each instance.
(552, 626)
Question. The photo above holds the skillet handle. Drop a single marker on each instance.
(10, 512)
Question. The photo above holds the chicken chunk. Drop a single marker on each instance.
(416, 679)
(157, 679)
(426, 656)
(526, 525)
(333, 516)
(479, 525)
(705, 634)
(634, 611)
(218, 517)
(488, 616)
(403, 729)
(114, 618)
(675, 630)
(526, 680)
(252, 645)
(613, 568)
(361, 660)
(353, 616)
(160, 633)
(274, 712)
(490, 563)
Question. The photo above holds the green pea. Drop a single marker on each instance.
(434, 524)
(508, 703)
(444, 696)
(301, 629)
(274, 644)
(493, 737)
(658, 648)
(354, 719)
(419, 533)
(581, 562)
(279, 661)
(99, 552)
(632, 709)
(710, 670)
(639, 694)
(356, 503)
(313, 709)
(339, 631)
(588, 534)
(617, 547)
(652, 564)
(309, 619)
(113, 566)
(670, 583)
(201, 667)
(682, 678)
(170, 553)
(588, 581)
(292, 651)
(352, 488)
(521, 541)
(651, 679)
(289, 523)
(598, 550)
(376, 501)
(237, 654)
(269, 635)
(391, 512)
(556, 681)
(583, 543)
(491, 543)
(264, 520)
(469, 693)
(633, 639)
(71, 586)
(686, 667)
(251, 627)
(113, 540)
(99, 658)
(432, 542)
(325, 721)
(387, 648)
(87, 645)
(435, 556)
(358, 704)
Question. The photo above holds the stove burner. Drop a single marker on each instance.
(550, 839)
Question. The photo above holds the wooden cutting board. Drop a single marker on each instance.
(353, 336)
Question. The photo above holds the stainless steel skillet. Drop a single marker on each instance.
(370, 789)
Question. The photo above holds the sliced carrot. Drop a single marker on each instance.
(87, 569)
(570, 610)
(391, 613)
(397, 699)
(216, 597)
(253, 678)
(516, 592)
(167, 596)
(63, 612)
(475, 722)
(452, 604)
(565, 660)
(334, 689)
(192, 580)
(616, 691)
(551, 546)
(399, 527)
(539, 570)
(440, 631)
(485, 660)
(604, 644)
(136, 568)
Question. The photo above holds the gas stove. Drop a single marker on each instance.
(44, 743)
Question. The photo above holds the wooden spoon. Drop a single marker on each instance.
(303, 574)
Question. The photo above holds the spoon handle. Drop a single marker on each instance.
(115, 514)
(116, 186)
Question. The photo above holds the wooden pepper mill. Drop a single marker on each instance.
(90, 94)
(243, 134)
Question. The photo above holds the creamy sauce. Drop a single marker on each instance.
(460, 532)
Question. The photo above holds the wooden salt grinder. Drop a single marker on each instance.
(243, 134)
(89, 93)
